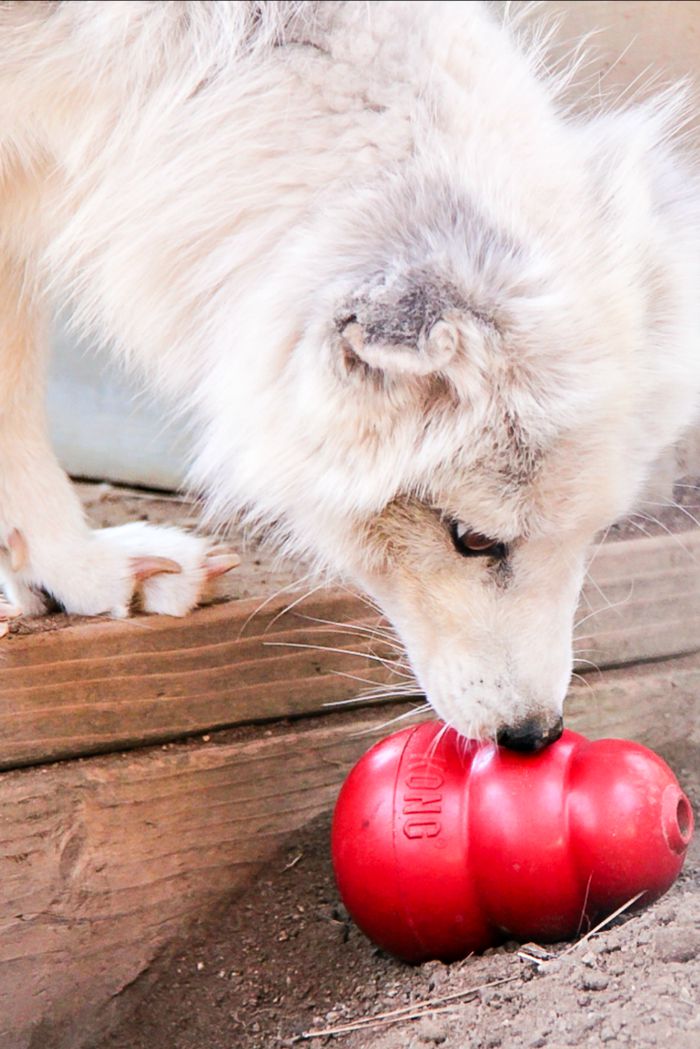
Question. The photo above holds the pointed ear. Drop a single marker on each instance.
(403, 326)
(430, 353)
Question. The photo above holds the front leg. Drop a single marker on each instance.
(103, 571)
(48, 552)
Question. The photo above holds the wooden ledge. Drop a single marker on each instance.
(98, 685)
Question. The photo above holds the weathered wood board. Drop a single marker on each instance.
(99, 685)
(104, 860)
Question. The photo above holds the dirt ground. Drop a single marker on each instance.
(284, 961)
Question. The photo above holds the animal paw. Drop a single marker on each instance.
(109, 571)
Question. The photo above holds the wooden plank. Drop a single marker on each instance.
(99, 685)
(104, 860)
(103, 685)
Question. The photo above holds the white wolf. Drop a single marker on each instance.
(432, 327)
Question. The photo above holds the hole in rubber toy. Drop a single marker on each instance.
(684, 819)
(677, 817)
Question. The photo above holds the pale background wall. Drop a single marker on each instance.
(106, 427)
(101, 430)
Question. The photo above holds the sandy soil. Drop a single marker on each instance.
(284, 961)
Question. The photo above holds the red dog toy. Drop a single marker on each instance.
(442, 846)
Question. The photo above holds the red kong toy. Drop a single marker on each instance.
(442, 847)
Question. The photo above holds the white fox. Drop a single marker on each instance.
(433, 329)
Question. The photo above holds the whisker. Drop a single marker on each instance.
(673, 535)
(582, 679)
(295, 583)
(435, 743)
(396, 661)
(466, 744)
(342, 628)
(400, 689)
(588, 662)
(372, 698)
(675, 506)
(382, 632)
(293, 604)
(408, 683)
(598, 547)
(327, 648)
(601, 544)
(670, 504)
(594, 584)
(364, 598)
(640, 528)
(607, 608)
(414, 712)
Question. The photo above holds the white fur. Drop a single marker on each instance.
(218, 188)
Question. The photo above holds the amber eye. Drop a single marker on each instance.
(474, 544)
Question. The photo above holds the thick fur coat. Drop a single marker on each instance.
(432, 328)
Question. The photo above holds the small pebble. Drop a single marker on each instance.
(594, 981)
(491, 997)
(591, 1021)
(550, 968)
(430, 1032)
(677, 945)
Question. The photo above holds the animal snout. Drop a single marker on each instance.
(531, 734)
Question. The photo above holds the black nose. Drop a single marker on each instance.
(530, 735)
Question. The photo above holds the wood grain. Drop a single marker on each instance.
(104, 860)
(98, 685)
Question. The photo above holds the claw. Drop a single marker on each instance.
(145, 567)
(7, 611)
(17, 546)
(216, 566)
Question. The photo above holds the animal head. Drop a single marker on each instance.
(477, 357)
(462, 413)
(496, 413)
